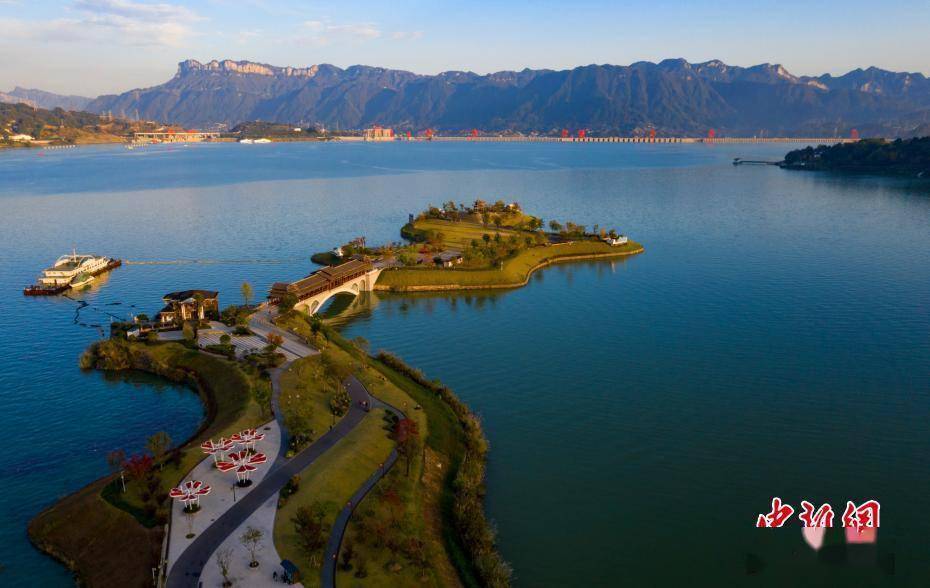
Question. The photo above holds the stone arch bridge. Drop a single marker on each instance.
(351, 277)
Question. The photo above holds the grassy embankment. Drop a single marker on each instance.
(105, 536)
(515, 270)
(333, 479)
(447, 494)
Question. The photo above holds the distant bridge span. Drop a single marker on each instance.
(352, 277)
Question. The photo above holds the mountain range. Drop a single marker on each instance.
(43, 99)
(673, 97)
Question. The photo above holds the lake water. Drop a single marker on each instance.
(773, 340)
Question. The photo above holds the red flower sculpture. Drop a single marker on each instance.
(248, 438)
(243, 463)
(190, 492)
(217, 450)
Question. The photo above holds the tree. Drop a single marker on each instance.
(261, 391)
(138, 466)
(275, 340)
(498, 221)
(340, 401)
(247, 292)
(223, 559)
(287, 303)
(298, 419)
(308, 525)
(556, 226)
(158, 444)
(348, 552)
(316, 324)
(252, 540)
(407, 436)
(189, 332)
(115, 460)
(335, 368)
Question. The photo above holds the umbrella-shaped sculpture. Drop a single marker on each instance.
(189, 494)
(243, 463)
(248, 438)
(217, 450)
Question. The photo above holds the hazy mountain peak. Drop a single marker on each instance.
(230, 66)
(674, 96)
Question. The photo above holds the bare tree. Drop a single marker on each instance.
(252, 540)
(223, 559)
(158, 444)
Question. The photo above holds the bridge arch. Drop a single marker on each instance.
(353, 287)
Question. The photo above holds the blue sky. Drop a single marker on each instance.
(100, 46)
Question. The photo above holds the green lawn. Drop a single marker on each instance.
(515, 270)
(332, 480)
(460, 234)
(226, 391)
(305, 382)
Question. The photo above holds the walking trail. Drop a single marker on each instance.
(194, 567)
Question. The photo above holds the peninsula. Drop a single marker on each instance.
(481, 246)
(907, 157)
(349, 466)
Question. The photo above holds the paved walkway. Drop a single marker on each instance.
(188, 567)
(267, 556)
(328, 579)
(221, 497)
(200, 553)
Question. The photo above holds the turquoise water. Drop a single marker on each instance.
(774, 339)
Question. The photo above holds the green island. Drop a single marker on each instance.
(909, 157)
(482, 246)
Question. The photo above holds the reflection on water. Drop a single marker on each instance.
(772, 340)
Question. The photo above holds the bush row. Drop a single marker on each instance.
(472, 526)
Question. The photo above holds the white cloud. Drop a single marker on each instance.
(318, 32)
(406, 35)
(120, 21)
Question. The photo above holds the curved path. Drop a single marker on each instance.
(185, 573)
(328, 579)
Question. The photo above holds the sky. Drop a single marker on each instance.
(92, 47)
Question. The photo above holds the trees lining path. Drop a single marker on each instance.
(330, 557)
(186, 571)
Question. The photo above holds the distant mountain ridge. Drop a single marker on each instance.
(43, 99)
(674, 97)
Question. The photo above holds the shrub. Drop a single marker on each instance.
(472, 526)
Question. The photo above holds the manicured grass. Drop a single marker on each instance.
(304, 382)
(431, 499)
(515, 272)
(332, 480)
(460, 234)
